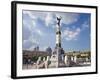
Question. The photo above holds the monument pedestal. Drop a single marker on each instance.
(57, 59)
(54, 61)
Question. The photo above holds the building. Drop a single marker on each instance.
(78, 58)
(32, 56)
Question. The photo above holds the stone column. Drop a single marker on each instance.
(38, 62)
(47, 58)
(43, 58)
(72, 58)
(75, 58)
(66, 59)
(87, 59)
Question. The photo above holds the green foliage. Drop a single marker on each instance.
(49, 62)
(34, 58)
(43, 57)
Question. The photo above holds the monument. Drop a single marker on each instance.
(57, 58)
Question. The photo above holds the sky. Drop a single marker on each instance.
(39, 29)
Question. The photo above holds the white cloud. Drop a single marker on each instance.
(31, 22)
(29, 29)
(30, 42)
(39, 32)
(35, 15)
(29, 13)
(49, 19)
(68, 18)
(85, 25)
(71, 34)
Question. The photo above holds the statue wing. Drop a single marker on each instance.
(57, 18)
